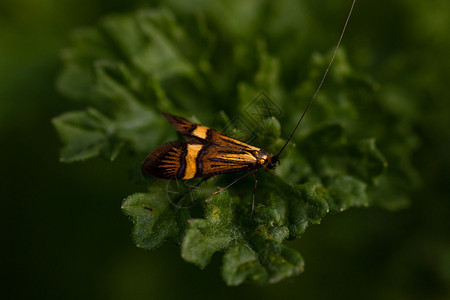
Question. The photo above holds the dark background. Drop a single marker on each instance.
(66, 237)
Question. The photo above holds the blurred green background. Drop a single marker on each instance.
(66, 237)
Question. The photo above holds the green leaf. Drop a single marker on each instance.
(240, 264)
(346, 192)
(331, 154)
(87, 134)
(298, 205)
(162, 57)
(279, 260)
(282, 262)
(206, 236)
(154, 219)
(255, 253)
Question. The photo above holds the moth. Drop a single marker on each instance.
(207, 152)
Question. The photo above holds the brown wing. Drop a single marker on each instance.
(215, 159)
(167, 161)
(181, 125)
(203, 134)
(207, 153)
(181, 160)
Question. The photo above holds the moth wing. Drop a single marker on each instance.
(217, 160)
(206, 153)
(181, 160)
(167, 161)
(195, 133)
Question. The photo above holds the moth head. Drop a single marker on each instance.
(272, 162)
(268, 161)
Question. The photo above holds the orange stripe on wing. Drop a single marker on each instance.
(191, 156)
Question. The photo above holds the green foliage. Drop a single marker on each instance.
(154, 221)
(133, 66)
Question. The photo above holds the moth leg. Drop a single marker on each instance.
(254, 190)
(240, 178)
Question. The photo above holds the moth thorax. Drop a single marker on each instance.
(265, 159)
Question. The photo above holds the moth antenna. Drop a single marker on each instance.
(253, 194)
(323, 79)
